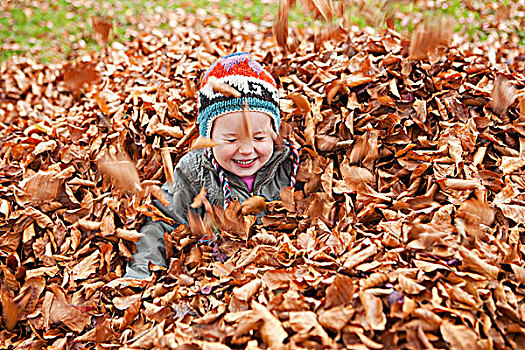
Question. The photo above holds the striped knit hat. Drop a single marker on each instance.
(256, 86)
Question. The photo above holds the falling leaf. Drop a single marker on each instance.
(253, 205)
(203, 142)
(76, 75)
(429, 36)
(102, 29)
(121, 171)
(280, 27)
(502, 96)
(222, 88)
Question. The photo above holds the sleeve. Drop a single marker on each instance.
(151, 246)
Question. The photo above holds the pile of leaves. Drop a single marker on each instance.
(405, 232)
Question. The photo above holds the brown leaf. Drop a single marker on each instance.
(511, 164)
(253, 205)
(247, 124)
(340, 292)
(10, 311)
(41, 219)
(43, 186)
(373, 280)
(89, 225)
(429, 36)
(124, 302)
(102, 28)
(409, 286)
(373, 311)
(86, 267)
(277, 279)
(56, 310)
(167, 164)
(29, 295)
(157, 192)
(223, 88)
(101, 103)
(76, 75)
(472, 261)
(514, 212)
(272, 331)
(280, 26)
(246, 292)
(459, 337)
(301, 102)
(336, 318)
(121, 172)
(203, 142)
(502, 96)
(357, 255)
(324, 7)
(166, 130)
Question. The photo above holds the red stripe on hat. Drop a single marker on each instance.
(219, 71)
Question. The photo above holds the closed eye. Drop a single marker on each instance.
(231, 140)
(259, 138)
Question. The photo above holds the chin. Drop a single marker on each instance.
(243, 172)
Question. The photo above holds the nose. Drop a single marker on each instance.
(246, 147)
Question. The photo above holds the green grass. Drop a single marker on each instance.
(63, 29)
(62, 26)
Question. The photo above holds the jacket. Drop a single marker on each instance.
(193, 171)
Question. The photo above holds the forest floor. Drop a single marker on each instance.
(406, 230)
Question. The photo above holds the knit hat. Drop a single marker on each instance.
(256, 86)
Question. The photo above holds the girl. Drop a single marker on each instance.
(246, 162)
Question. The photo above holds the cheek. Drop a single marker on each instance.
(265, 149)
(224, 152)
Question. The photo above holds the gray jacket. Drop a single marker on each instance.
(194, 171)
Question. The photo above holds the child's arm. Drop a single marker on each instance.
(180, 195)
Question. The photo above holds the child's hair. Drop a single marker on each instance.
(257, 91)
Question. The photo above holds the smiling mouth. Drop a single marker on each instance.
(245, 162)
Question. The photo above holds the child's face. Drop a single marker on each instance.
(238, 152)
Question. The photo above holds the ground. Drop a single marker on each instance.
(405, 232)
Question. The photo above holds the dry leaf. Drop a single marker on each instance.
(459, 337)
(280, 27)
(203, 142)
(222, 88)
(502, 96)
(121, 172)
(373, 311)
(253, 205)
(76, 75)
(429, 36)
(10, 310)
(102, 29)
(340, 292)
(272, 331)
